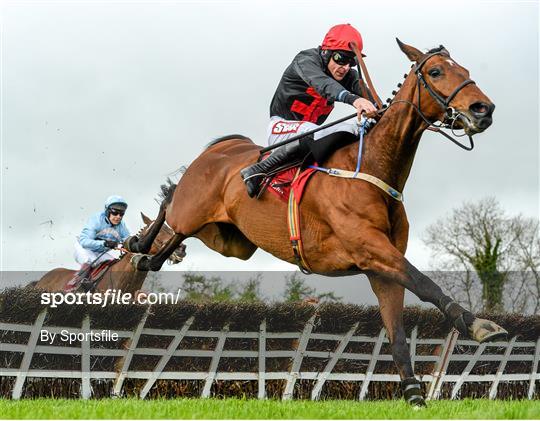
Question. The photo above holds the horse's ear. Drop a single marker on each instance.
(412, 53)
(145, 219)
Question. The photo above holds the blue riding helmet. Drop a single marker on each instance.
(115, 202)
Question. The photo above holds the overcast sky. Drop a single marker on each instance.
(101, 98)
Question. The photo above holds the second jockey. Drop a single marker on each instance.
(305, 96)
(103, 232)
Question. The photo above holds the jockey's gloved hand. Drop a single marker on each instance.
(110, 244)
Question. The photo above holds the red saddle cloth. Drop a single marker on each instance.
(95, 275)
(282, 183)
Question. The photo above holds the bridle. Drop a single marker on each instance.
(451, 115)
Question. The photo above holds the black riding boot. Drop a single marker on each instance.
(84, 271)
(83, 276)
(254, 174)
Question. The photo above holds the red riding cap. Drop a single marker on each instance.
(339, 37)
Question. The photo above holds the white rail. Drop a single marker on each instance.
(443, 353)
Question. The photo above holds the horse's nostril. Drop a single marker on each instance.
(481, 109)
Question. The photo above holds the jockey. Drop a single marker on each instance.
(103, 232)
(305, 96)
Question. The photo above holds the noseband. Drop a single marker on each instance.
(451, 115)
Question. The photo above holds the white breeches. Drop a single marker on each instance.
(280, 129)
(83, 255)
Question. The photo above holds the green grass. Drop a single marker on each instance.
(253, 409)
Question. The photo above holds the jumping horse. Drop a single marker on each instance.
(348, 226)
(120, 275)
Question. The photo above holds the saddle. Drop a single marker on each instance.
(295, 175)
(92, 280)
(289, 183)
(284, 179)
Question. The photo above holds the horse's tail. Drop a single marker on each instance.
(167, 191)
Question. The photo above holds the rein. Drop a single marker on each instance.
(363, 66)
(437, 128)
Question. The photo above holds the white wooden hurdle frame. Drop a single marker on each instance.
(435, 380)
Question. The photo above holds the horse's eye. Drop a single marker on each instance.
(434, 72)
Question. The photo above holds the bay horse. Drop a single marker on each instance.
(121, 275)
(348, 226)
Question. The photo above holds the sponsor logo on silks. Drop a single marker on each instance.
(282, 127)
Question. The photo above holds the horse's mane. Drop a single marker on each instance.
(394, 93)
(164, 196)
(224, 138)
(435, 49)
(167, 191)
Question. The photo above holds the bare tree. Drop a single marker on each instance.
(527, 256)
(498, 257)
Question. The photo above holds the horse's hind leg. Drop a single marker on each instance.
(423, 287)
(154, 263)
(390, 296)
(134, 244)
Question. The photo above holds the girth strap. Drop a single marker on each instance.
(293, 222)
(392, 192)
(293, 214)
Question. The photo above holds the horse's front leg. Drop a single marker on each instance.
(481, 330)
(134, 244)
(390, 296)
(379, 256)
(145, 262)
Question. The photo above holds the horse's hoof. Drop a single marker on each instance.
(412, 392)
(178, 255)
(418, 403)
(182, 250)
(140, 262)
(174, 260)
(483, 330)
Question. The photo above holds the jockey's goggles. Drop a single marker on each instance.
(343, 59)
(116, 212)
